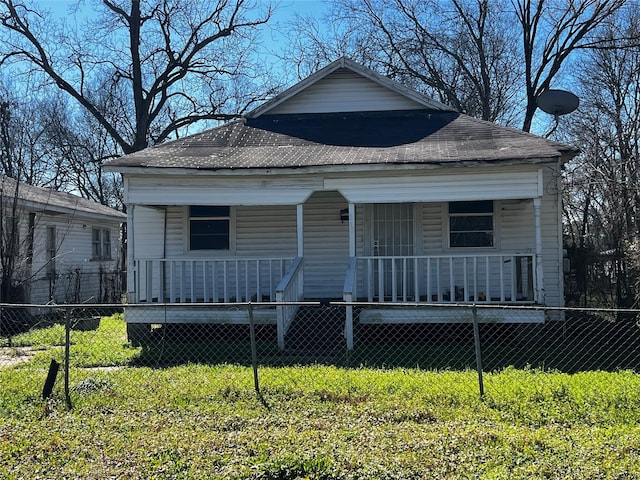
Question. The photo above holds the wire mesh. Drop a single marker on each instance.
(343, 335)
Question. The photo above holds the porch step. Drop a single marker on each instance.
(316, 330)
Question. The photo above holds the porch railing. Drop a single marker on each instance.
(173, 280)
(290, 289)
(484, 278)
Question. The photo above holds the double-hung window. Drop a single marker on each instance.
(101, 243)
(471, 224)
(209, 227)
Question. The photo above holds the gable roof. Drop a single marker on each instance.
(52, 202)
(420, 132)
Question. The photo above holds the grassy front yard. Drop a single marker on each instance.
(317, 422)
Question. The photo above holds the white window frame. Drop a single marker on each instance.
(101, 246)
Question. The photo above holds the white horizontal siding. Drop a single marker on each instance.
(266, 231)
(345, 91)
(148, 232)
(197, 190)
(454, 185)
(516, 226)
(148, 238)
(326, 245)
(432, 228)
(78, 275)
(552, 240)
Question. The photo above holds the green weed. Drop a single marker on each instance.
(197, 421)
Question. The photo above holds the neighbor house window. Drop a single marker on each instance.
(51, 251)
(471, 224)
(101, 243)
(209, 227)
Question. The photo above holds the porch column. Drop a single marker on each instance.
(352, 230)
(300, 229)
(348, 323)
(539, 271)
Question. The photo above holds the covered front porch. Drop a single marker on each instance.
(279, 242)
(380, 284)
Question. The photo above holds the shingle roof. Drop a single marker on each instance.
(360, 138)
(52, 201)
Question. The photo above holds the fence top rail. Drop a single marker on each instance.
(336, 303)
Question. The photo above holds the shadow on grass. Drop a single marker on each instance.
(577, 344)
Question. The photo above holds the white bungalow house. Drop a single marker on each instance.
(345, 186)
(59, 248)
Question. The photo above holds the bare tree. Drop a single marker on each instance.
(76, 138)
(552, 31)
(145, 70)
(485, 58)
(461, 52)
(9, 237)
(603, 186)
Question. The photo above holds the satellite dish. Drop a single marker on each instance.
(557, 102)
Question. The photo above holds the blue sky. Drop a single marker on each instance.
(286, 10)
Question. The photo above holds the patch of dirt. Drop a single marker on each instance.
(14, 355)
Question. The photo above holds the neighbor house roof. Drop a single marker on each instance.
(47, 200)
(356, 138)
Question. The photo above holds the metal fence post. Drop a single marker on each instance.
(476, 337)
(254, 350)
(67, 348)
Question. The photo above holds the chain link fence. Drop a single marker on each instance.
(80, 338)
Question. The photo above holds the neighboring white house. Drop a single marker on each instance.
(349, 186)
(67, 249)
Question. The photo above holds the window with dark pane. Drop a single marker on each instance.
(101, 244)
(209, 227)
(471, 224)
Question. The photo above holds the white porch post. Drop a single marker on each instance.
(348, 324)
(300, 225)
(539, 271)
(352, 230)
(300, 228)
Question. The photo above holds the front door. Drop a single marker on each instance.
(393, 239)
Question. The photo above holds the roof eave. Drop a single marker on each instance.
(301, 170)
(49, 209)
